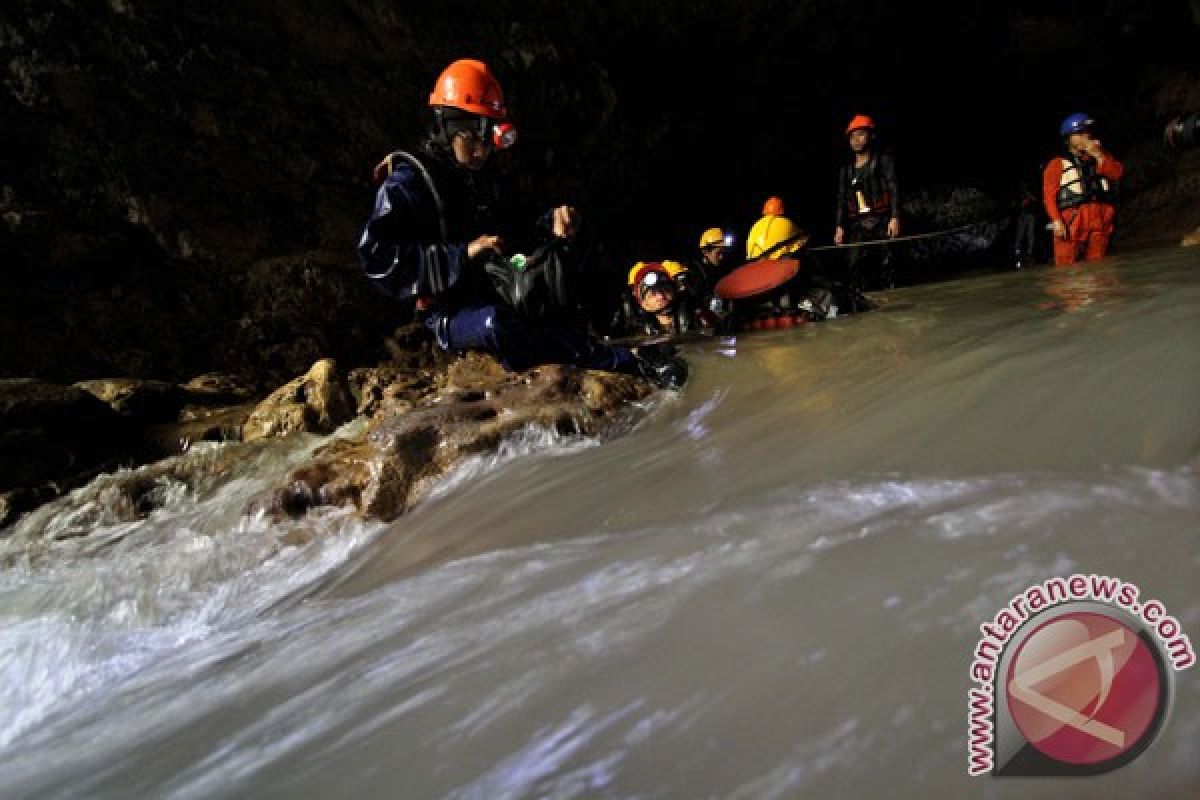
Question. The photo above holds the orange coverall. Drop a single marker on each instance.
(1090, 225)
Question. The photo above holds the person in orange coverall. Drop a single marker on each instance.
(1079, 190)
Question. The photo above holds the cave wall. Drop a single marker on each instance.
(179, 183)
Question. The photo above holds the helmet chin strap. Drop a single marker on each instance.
(440, 136)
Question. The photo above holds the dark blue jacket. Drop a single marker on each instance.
(407, 249)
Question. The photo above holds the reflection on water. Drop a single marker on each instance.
(1076, 287)
(772, 588)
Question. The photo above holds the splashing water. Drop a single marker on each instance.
(772, 587)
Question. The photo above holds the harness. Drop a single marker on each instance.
(865, 196)
(1081, 183)
(437, 270)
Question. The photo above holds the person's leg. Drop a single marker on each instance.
(526, 344)
(1064, 252)
(520, 345)
(854, 235)
(1024, 238)
(1097, 246)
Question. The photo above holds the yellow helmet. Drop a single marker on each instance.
(769, 232)
(712, 237)
(674, 268)
(716, 237)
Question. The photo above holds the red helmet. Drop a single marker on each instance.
(860, 122)
(470, 86)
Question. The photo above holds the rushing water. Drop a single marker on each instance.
(771, 588)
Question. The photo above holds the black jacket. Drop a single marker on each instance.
(415, 242)
(877, 182)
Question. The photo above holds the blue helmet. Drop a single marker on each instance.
(1076, 123)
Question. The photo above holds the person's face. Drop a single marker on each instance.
(1080, 142)
(715, 255)
(859, 140)
(470, 149)
(657, 299)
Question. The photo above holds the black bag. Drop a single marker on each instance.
(544, 287)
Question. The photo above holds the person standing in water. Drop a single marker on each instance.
(711, 263)
(868, 198)
(1025, 227)
(1079, 190)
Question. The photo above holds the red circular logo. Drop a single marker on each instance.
(1084, 688)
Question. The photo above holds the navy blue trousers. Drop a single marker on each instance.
(520, 344)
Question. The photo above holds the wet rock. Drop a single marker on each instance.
(197, 425)
(146, 400)
(1192, 239)
(54, 433)
(318, 402)
(389, 386)
(387, 469)
(412, 347)
(217, 389)
(477, 372)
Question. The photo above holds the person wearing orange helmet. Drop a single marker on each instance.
(868, 196)
(1079, 191)
(434, 237)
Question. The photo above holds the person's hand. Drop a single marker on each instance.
(893, 229)
(839, 235)
(564, 222)
(1060, 230)
(493, 243)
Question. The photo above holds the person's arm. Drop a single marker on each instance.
(396, 250)
(839, 214)
(1051, 178)
(888, 167)
(1108, 166)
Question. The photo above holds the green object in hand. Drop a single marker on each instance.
(517, 262)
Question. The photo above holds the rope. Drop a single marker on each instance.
(909, 238)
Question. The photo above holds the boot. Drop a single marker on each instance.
(660, 364)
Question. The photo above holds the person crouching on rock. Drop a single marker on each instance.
(661, 302)
(1079, 190)
(433, 237)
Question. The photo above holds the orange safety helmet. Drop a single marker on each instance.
(773, 207)
(860, 122)
(469, 85)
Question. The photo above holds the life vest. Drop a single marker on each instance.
(1080, 183)
(865, 194)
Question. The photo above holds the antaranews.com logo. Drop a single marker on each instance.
(1074, 678)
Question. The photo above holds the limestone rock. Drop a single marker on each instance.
(1192, 239)
(145, 400)
(50, 432)
(391, 387)
(216, 389)
(387, 469)
(318, 402)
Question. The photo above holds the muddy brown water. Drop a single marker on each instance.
(771, 587)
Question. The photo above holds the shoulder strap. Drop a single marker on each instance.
(400, 155)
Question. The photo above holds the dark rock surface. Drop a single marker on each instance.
(413, 440)
(182, 189)
(52, 435)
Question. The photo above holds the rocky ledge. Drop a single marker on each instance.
(422, 417)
